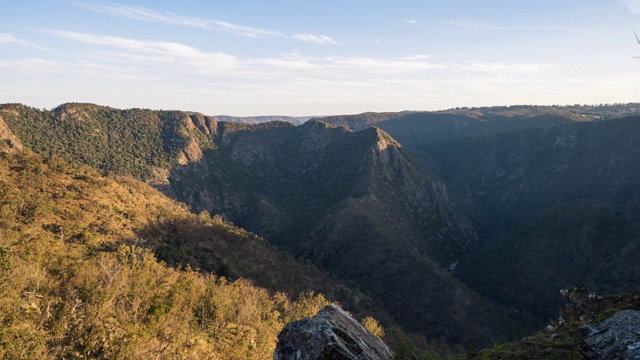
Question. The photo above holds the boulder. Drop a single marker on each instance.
(330, 335)
(617, 337)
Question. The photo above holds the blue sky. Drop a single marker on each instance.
(303, 57)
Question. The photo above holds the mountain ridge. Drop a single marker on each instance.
(293, 183)
(510, 173)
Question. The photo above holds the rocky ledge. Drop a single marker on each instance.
(330, 335)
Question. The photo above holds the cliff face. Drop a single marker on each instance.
(552, 192)
(357, 206)
(8, 141)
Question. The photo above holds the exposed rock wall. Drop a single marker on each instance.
(8, 141)
(330, 335)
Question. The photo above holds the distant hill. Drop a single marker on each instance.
(493, 114)
(361, 121)
(297, 120)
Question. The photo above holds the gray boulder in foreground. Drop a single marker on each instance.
(617, 337)
(330, 335)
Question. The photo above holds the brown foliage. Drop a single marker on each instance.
(80, 282)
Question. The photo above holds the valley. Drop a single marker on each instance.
(460, 226)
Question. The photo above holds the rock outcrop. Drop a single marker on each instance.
(330, 335)
(8, 141)
(582, 304)
(617, 337)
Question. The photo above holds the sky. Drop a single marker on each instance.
(318, 57)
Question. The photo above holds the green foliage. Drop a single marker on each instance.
(5, 264)
(133, 142)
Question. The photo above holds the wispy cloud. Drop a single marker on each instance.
(34, 66)
(417, 57)
(632, 5)
(161, 47)
(176, 58)
(411, 21)
(140, 13)
(144, 14)
(185, 59)
(481, 25)
(171, 74)
(316, 39)
(503, 68)
(10, 39)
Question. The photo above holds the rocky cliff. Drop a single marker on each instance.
(357, 206)
(8, 141)
(550, 190)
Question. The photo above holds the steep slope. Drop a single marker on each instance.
(552, 193)
(583, 242)
(356, 205)
(590, 326)
(353, 203)
(79, 279)
(521, 173)
(138, 142)
(298, 174)
(8, 141)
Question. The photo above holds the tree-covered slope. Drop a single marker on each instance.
(137, 142)
(584, 242)
(552, 191)
(490, 119)
(79, 278)
(353, 203)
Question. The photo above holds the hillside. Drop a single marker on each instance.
(524, 200)
(583, 242)
(552, 193)
(80, 279)
(590, 326)
(353, 203)
(356, 206)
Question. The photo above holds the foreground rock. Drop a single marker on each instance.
(330, 335)
(581, 332)
(617, 337)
